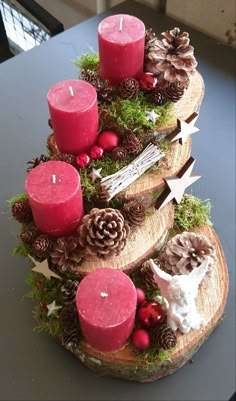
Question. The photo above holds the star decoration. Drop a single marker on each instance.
(152, 116)
(177, 185)
(184, 129)
(53, 308)
(42, 267)
(95, 174)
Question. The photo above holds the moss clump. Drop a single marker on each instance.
(16, 198)
(87, 61)
(191, 212)
(152, 356)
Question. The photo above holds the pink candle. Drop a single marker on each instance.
(121, 40)
(106, 302)
(55, 197)
(74, 115)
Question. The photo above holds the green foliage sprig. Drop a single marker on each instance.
(87, 61)
(191, 212)
(16, 198)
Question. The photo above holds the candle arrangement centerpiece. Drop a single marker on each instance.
(123, 261)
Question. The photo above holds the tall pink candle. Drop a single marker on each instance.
(121, 40)
(106, 302)
(74, 115)
(55, 197)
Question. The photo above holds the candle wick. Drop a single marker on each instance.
(54, 178)
(104, 294)
(71, 91)
(121, 24)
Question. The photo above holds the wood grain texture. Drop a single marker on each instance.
(211, 301)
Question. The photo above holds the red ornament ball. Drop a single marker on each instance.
(108, 140)
(83, 160)
(150, 313)
(141, 339)
(96, 152)
(140, 295)
(148, 81)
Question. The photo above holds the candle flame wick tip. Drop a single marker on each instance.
(54, 178)
(71, 91)
(121, 24)
(104, 294)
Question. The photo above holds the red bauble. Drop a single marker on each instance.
(148, 81)
(83, 160)
(141, 339)
(96, 152)
(150, 313)
(140, 295)
(108, 140)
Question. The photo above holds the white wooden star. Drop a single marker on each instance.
(152, 115)
(185, 128)
(53, 308)
(177, 185)
(95, 174)
(42, 267)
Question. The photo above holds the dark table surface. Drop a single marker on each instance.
(33, 366)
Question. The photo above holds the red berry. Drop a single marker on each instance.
(141, 339)
(96, 152)
(148, 81)
(83, 160)
(140, 295)
(108, 140)
(150, 313)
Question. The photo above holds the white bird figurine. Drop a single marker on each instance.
(181, 291)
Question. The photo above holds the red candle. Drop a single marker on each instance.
(74, 115)
(121, 40)
(55, 197)
(106, 302)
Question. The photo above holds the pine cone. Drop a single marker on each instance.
(133, 144)
(134, 212)
(159, 97)
(70, 327)
(103, 232)
(21, 211)
(68, 292)
(187, 251)
(66, 254)
(42, 246)
(105, 91)
(175, 91)
(119, 154)
(129, 88)
(164, 337)
(172, 56)
(148, 275)
(28, 236)
(66, 157)
(36, 162)
(89, 76)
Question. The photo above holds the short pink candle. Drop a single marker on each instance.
(74, 115)
(106, 302)
(121, 40)
(55, 197)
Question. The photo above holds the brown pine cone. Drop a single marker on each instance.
(175, 90)
(21, 211)
(66, 157)
(71, 338)
(134, 212)
(28, 236)
(129, 88)
(119, 154)
(69, 317)
(105, 92)
(133, 144)
(103, 232)
(90, 76)
(148, 276)
(164, 337)
(42, 246)
(68, 292)
(36, 162)
(67, 254)
(159, 97)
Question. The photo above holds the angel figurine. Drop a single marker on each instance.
(180, 291)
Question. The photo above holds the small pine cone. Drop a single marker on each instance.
(133, 144)
(119, 154)
(28, 236)
(159, 97)
(42, 246)
(66, 254)
(129, 88)
(36, 162)
(71, 338)
(66, 157)
(21, 211)
(89, 76)
(69, 317)
(103, 232)
(175, 91)
(105, 92)
(148, 275)
(134, 212)
(164, 337)
(68, 292)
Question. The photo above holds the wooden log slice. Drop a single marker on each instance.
(210, 303)
(147, 238)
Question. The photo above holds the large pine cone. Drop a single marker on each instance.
(164, 337)
(103, 232)
(21, 211)
(187, 251)
(42, 246)
(175, 91)
(36, 162)
(134, 212)
(172, 56)
(132, 143)
(148, 275)
(129, 88)
(68, 292)
(67, 254)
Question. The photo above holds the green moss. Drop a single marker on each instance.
(87, 61)
(149, 357)
(191, 212)
(16, 198)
